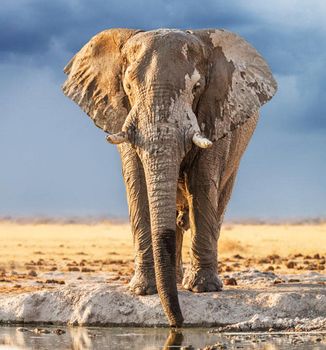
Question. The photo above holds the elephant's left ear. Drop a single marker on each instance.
(239, 82)
(94, 79)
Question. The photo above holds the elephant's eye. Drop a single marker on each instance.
(196, 87)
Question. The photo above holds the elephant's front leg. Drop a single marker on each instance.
(143, 281)
(204, 223)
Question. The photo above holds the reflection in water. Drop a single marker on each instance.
(175, 339)
(79, 338)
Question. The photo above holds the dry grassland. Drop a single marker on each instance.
(106, 246)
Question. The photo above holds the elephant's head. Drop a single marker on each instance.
(167, 92)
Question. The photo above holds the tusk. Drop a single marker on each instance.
(201, 141)
(117, 138)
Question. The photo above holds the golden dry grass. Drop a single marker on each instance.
(58, 243)
(263, 240)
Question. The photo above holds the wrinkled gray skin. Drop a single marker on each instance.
(182, 106)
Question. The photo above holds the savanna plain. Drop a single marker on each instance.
(28, 248)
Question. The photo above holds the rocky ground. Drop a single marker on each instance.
(251, 300)
(45, 273)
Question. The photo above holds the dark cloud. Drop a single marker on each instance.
(29, 27)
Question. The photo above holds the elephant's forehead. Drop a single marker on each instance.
(164, 34)
(168, 40)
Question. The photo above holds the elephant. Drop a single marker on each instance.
(181, 106)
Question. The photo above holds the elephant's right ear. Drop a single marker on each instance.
(94, 79)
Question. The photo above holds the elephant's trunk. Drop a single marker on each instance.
(161, 167)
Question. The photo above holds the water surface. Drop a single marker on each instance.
(80, 338)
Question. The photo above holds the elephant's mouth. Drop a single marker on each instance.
(183, 219)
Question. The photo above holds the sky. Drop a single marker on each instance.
(55, 162)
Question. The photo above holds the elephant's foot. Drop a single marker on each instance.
(143, 282)
(201, 280)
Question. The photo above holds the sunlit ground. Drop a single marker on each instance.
(29, 249)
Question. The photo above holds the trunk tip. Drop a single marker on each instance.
(176, 322)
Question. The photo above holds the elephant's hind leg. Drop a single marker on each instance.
(179, 266)
(182, 226)
(143, 281)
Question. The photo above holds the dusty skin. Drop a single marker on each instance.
(30, 250)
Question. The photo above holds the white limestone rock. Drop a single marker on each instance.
(244, 308)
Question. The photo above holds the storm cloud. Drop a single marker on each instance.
(55, 162)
